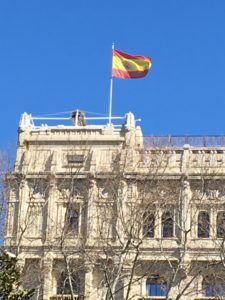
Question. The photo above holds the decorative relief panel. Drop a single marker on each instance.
(107, 191)
(66, 195)
(12, 218)
(34, 219)
(209, 195)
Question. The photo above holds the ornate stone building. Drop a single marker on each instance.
(101, 212)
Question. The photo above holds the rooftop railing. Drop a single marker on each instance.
(180, 141)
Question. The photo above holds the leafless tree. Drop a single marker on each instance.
(130, 228)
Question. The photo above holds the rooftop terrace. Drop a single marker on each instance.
(78, 121)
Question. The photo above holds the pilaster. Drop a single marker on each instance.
(92, 211)
(185, 159)
(23, 211)
(51, 210)
(91, 292)
(185, 217)
(47, 277)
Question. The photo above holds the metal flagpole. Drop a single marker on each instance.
(111, 91)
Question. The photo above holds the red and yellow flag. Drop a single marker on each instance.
(129, 66)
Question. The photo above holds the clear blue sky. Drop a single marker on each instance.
(55, 56)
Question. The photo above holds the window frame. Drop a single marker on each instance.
(220, 232)
(203, 233)
(168, 219)
(211, 288)
(156, 286)
(63, 287)
(148, 229)
(69, 227)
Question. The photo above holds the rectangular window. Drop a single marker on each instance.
(167, 225)
(216, 290)
(72, 219)
(203, 224)
(148, 225)
(156, 286)
(76, 159)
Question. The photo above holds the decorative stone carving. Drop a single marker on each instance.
(213, 194)
(198, 194)
(103, 193)
(25, 121)
(70, 195)
(162, 194)
(13, 195)
(186, 192)
(130, 121)
(36, 194)
(65, 194)
(209, 195)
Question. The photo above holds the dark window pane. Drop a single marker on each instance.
(75, 159)
(220, 225)
(149, 225)
(212, 290)
(63, 286)
(72, 220)
(213, 286)
(203, 224)
(167, 225)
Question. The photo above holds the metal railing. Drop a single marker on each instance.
(180, 141)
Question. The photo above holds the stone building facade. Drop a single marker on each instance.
(101, 212)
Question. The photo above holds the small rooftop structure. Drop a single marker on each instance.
(78, 121)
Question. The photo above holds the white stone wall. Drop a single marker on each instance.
(110, 185)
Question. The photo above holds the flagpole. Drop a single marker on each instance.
(111, 91)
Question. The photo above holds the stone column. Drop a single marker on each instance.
(185, 158)
(132, 287)
(213, 224)
(185, 218)
(158, 223)
(47, 277)
(23, 210)
(54, 161)
(21, 262)
(11, 221)
(191, 293)
(92, 211)
(90, 289)
(51, 210)
(26, 162)
(123, 208)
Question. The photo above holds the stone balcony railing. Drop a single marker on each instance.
(178, 141)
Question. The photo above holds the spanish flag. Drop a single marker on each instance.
(129, 66)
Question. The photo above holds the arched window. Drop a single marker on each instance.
(212, 287)
(156, 286)
(148, 225)
(167, 225)
(203, 224)
(220, 225)
(63, 285)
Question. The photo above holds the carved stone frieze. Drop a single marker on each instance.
(209, 194)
